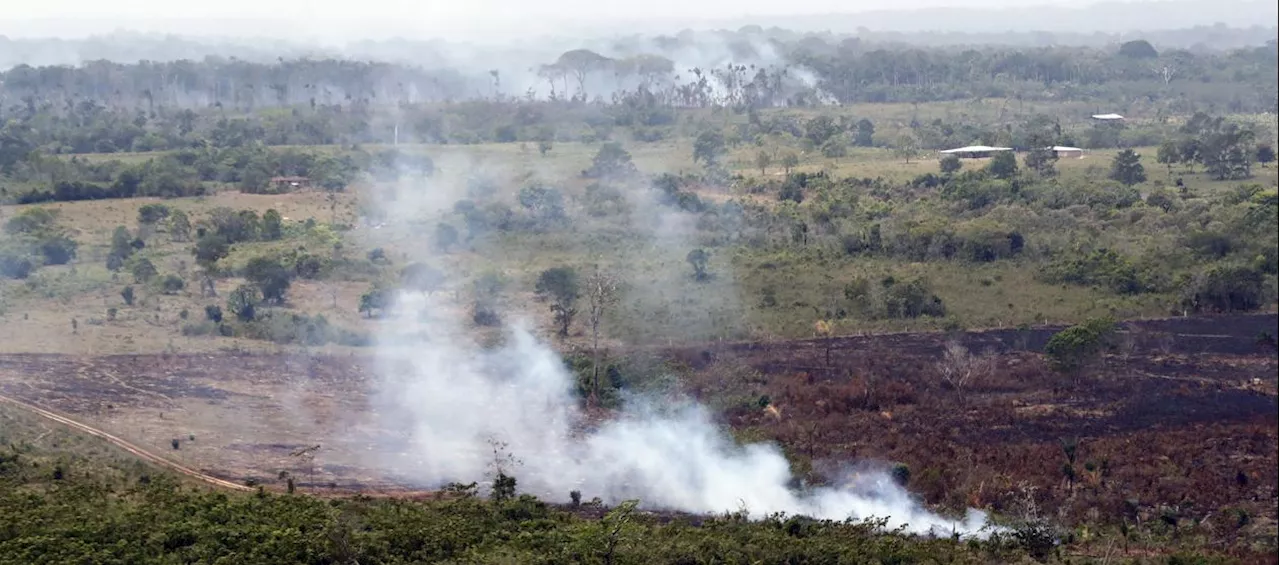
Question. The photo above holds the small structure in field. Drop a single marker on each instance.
(975, 151)
(1108, 117)
(1064, 152)
(285, 184)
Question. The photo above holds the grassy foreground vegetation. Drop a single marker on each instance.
(66, 498)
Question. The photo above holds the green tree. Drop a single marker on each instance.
(179, 226)
(374, 299)
(906, 147)
(863, 133)
(949, 165)
(819, 129)
(56, 248)
(143, 271)
(127, 295)
(789, 161)
(560, 285)
(611, 162)
(1168, 154)
(243, 302)
(1074, 349)
(209, 250)
(272, 225)
(172, 284)
(1265, 154)
(709, 147)
(1003, 165)
(120, 248)
(270, 277)
(698, 259)
(152, 213)
(1126, 168)
(763, 160)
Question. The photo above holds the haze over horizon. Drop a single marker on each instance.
(490, 21)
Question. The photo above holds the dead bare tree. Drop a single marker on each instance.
(308, 454)
(602, 294)
(959, 367)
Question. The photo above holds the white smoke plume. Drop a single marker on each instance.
(448, 399)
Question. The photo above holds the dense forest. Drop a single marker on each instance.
(750, 68)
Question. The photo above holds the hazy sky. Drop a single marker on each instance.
(336, 22)
(340, 20)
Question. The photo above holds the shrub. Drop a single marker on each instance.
(1225, 289)
(14, 264)
(1073, 348)
(172, 284)
(127, 295)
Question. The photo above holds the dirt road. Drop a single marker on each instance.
(129, 447)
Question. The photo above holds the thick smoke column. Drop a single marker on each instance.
(447, 399)
(450, 397)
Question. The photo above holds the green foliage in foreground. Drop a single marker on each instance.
(62, 516)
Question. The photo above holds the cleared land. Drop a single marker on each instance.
(1180, 424)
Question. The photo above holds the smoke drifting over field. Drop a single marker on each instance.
(450, 400)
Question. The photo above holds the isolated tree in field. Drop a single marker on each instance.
(1168, 154)
(602, 294)
(120, 248)
(172, 284)
(698, 259)
(611, 162)
(1127, 169)
(709, 147)
(151, 214)
(179, 226)
(581, 63)
(959, 368)
(906, 147)
(1074, 349)
(1265, 154)
(127, 295)
(819, 129)
(544, 203)
(422, 278)
(374, 299)
(1003, 165)
(763, 160)
(560, 285)
(863, 133)
(272, 225)
(143, 271)
(209, 250)
(271, 278)
(213, 313)
(949, 165)
(243, 302)
(446, 237)
(789, 161)
(1041, 133)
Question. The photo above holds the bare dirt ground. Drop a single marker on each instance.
(1182, 417)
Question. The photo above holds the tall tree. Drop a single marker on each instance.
(560, 285)
(1127, 169)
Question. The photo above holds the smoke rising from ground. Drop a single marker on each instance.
(450, 400)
